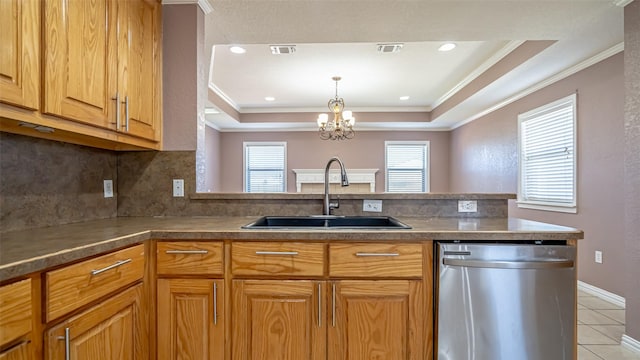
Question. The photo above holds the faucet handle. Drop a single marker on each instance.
(334, 205)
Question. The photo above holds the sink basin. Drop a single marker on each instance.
(326, 222)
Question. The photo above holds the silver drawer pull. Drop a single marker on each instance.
(112, 266)
(291, 253)
(186, 252)
(364, 254)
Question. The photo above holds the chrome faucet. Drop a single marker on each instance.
(328, 206)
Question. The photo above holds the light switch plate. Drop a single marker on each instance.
(178, 187)
(467, 206)
(372, 205)
(108, 188)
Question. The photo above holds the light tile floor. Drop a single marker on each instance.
(600, 329)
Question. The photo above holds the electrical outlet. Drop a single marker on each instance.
(178, 187)
(467, 206)
(598, 257)
(108, 188)
(372, 205)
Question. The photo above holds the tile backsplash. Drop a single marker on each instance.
(44, 182)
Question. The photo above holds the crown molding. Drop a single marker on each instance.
(559, 76)
(205, 5)
(622, 3)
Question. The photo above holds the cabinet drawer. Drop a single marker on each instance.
(76, 285)
(15, 310)
(375, 260)
(277, 258)
(190, 258)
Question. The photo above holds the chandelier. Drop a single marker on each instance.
(341, 127)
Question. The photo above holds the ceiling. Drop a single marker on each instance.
(505, 50)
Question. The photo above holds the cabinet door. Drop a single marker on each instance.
(23, 351)
(112, 330)
(190, 319)
(80, 55)
(278, 320)
(376, 320)
(20, 52)
(139, 67)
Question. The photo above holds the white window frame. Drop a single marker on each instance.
(426, 168)
(548, 204)
(247, 144)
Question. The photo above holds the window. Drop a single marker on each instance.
(547, 153)
(265, 166)
(407, 166)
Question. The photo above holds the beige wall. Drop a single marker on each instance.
(484, 159)
(212, 180)
(180, 75)
(632, 166)
(307, 150)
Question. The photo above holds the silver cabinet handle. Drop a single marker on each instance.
(112, 266)
(547, 264)
(126, 113)
(117, 100)
(186, 252)
(215, 303)
(291, 253)
(67, 344)
(333, 305)
(365, 254)
(319, 305)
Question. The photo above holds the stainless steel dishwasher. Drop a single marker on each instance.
(505, 301)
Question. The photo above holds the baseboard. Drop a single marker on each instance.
(602, 294)
(630, 343)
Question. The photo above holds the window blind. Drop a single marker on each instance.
(548, 154)
(265, 167)
(406, 167)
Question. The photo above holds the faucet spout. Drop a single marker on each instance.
(344, 181)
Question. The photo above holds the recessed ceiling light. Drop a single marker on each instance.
(237, 50)
(269, 98)
(403, 98)
(447, 47)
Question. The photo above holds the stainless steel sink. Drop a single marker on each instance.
(326, 222)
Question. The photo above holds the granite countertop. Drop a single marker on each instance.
(28, 251)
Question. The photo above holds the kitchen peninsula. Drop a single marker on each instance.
(160, 273)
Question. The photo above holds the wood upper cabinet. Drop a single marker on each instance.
(20, 52)
(376, 319)
(113, 329)
(190, 319)
(139, 67)
(102, 64)
(279, 319)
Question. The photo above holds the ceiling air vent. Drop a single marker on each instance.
(389, 48)
(282, 49)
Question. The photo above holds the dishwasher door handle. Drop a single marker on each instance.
(540, 264)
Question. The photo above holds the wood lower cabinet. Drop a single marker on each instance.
(190, 300)
(376, 319)
(190, 319)
(22, 351)
(111, 330)
(20, 55)
(278, 319)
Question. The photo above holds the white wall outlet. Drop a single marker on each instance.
(372, 205)
(467, 206)
(598, 257)
(178, 187)
(108, 188)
